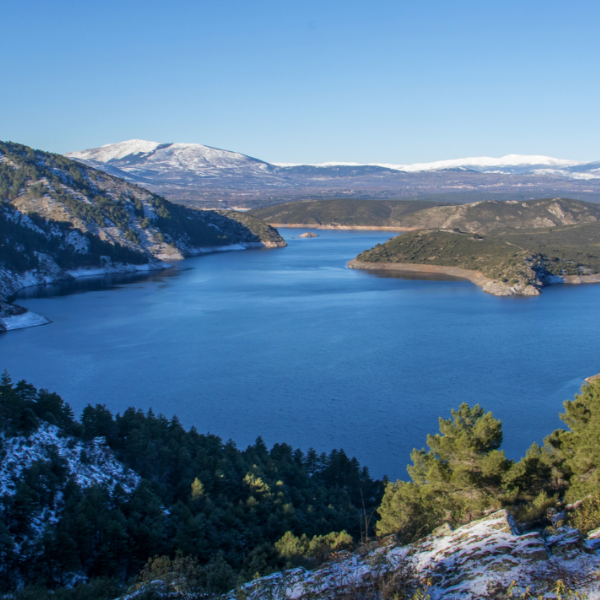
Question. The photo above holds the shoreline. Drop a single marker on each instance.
(342, 227)
(13, 316)
(473, 276)
(490, 286)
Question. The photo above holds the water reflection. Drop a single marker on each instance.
(96, 283)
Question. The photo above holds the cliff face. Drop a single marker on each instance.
(61, 219)
(479, 560)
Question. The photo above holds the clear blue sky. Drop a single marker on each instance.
(306, 81)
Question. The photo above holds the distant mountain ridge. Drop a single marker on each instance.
(198, 174)
(481, 217)
(190, 155)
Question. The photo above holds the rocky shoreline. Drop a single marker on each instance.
(490, 286)
(13, 316)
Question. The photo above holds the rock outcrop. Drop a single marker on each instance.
(482, 559)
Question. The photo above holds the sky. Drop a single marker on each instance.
(388, 81)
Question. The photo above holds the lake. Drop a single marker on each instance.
(291, 345)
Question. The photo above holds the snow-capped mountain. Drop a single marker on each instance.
(198, 174)
(194, 157)
(508, 163)
(143, 155)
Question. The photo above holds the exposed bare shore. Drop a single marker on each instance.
(497, 288)
(344, 227)
(475, 276)
(575, 279)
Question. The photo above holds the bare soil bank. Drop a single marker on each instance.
(497, 288)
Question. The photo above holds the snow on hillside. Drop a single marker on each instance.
(475, 163)
(176, 156)
(197, 156)
(87, 463)
(478, 560)
(91, 463)
(486, 162)
(110, 152)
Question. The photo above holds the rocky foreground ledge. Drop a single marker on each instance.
(479, 560)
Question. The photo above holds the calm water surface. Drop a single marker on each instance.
(291, 345)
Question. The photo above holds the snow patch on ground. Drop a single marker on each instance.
(89, 463)
(118, 268)
(28, 319)
(477, 560)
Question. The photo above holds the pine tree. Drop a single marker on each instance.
(462, 472)
(197, 489)
(580, 447)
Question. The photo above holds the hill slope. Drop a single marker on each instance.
(100, 496)
(343, 213)
(60, 219)
(482, 217)
(514, 263)
(485, 559)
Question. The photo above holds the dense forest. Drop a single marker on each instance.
(198, 497)
(224, 515)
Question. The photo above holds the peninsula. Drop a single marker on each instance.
(517, 262)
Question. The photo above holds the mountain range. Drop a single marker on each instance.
(195, 174)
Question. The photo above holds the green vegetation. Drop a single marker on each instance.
(514, 257)
(481, 217)
(207, 515)
(464, 473)
(307, 552)
(349, 213)
(199, 497)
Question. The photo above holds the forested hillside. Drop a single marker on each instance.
(58, 216)
(342, 212)
(108, 501)
(99, 496)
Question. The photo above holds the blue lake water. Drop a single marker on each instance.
(291, 345)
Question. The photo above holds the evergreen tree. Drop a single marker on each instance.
(579, 448)
(462, 472)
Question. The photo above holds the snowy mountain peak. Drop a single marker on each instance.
(486, 162)
(478, 163)
(207, 176)
(194, 156)
(177, 156)
(117, 151)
